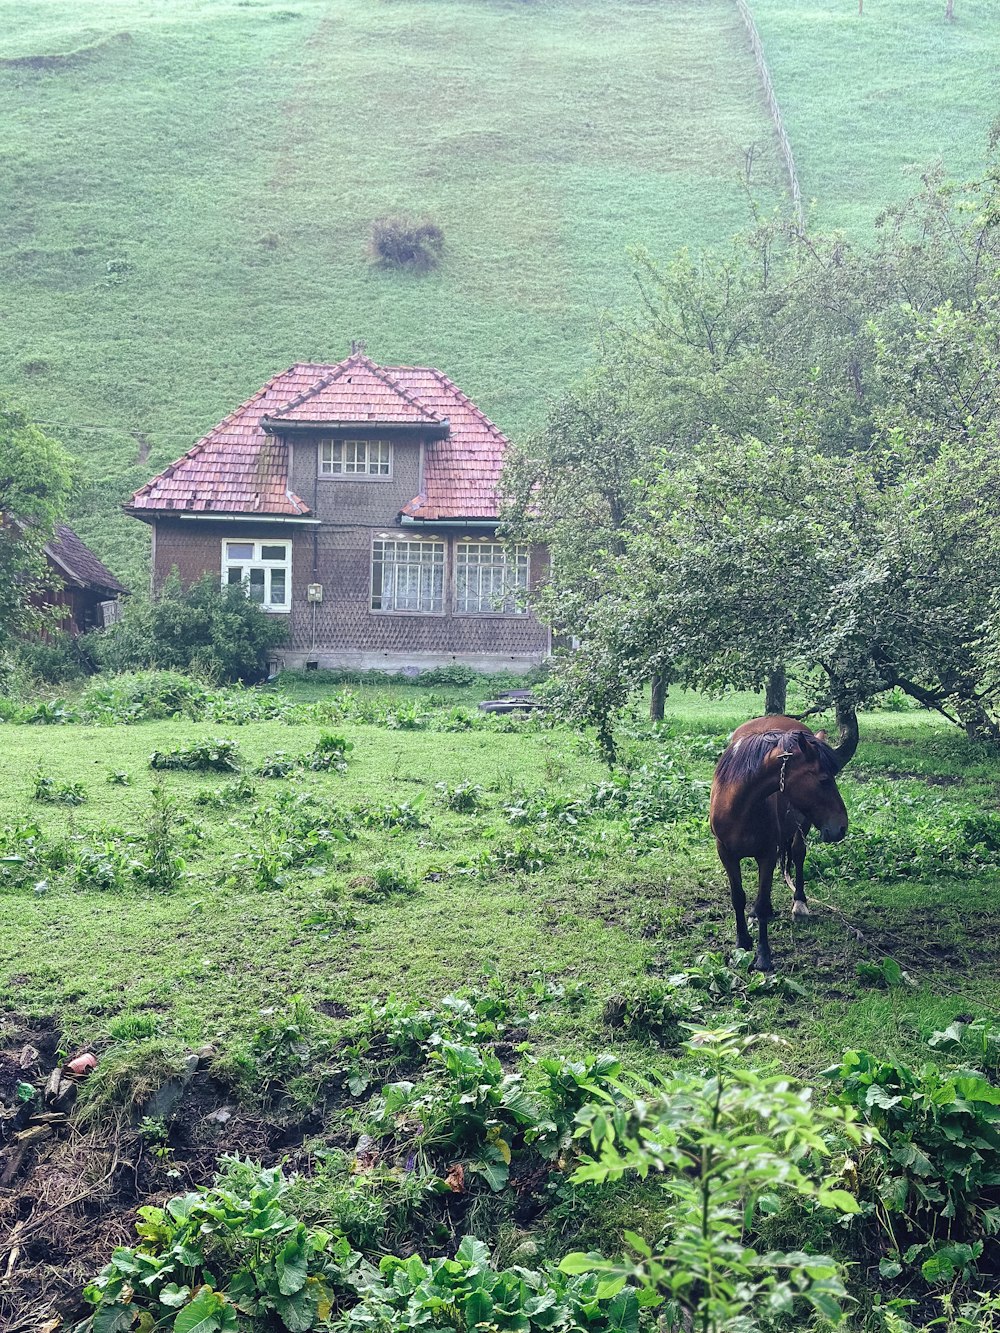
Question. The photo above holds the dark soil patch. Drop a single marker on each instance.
(68, 1196)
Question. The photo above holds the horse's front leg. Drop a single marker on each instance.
(797, 855)
(731, 865)
(764, 911)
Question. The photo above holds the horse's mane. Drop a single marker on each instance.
(743, 759)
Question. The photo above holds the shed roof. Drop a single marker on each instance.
(79, 562)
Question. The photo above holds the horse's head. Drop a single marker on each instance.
(809, 783)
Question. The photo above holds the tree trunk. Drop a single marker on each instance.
(949, 10)
(847, 732)
(658, 696)
(776, 692)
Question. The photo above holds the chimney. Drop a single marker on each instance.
(358, 347)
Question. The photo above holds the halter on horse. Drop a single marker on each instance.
(773, 783)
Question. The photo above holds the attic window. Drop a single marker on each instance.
(355, 458)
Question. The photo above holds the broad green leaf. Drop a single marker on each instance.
(202, 1315)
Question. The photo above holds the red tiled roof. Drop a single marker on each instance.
(357, 390)
(461, 472)
(239, 468)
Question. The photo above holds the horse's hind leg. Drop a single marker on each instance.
(764, 912)
(796, 855)
(731, 865)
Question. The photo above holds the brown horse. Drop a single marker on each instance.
(773, 783)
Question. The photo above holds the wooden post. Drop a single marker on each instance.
(949, 10)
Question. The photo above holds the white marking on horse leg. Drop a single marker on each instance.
(800, 907)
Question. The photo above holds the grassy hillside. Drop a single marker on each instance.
(870, 101)
(226, 159)
(186, 188)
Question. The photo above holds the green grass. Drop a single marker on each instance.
(617, 907)
(871, 101)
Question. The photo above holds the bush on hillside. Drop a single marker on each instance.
(216, 632)
(399, 241)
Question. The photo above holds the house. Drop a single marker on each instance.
(84, 591)
(360, 501)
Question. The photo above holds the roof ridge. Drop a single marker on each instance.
(380, 373)
(450, 384)
(169, 470)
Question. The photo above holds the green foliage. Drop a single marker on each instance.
(774, 379)
(399, 241)
(389, 881)
(35, 484)
(468, 1293)
(141, 696)
(726, 1145)
(464, 798)
(215, 632)
(225, 1253)
(930, 1178)
(218, 756)
(51, 792)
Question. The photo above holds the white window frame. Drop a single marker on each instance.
(405, 570)
(476, 594)
(335, 464)
(258, 561)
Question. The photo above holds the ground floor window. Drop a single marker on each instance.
(408, 576)
(264, 568)
(488, 577)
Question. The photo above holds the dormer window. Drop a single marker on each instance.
(355, 458)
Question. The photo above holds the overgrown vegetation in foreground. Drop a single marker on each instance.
(452, 973)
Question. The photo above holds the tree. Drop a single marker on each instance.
(811, 485)
(34, 487)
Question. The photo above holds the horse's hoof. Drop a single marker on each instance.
(763, 965)
(800, 908)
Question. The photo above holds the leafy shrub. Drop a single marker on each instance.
(278, 765)
(141, 696)
(241, 792)
(464, 797)
(329, 752)
(977, 1042)
(389, 881)
(26, 855)
(931, 1180)
(414, 1293)
(216, 632)
(726, 1144)
(395, 815)
(400, 241)
(57, 658)
(50, 792)
(225, 1251)
(288, 1044)
(218, 756)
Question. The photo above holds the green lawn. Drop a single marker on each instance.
(612, 903)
